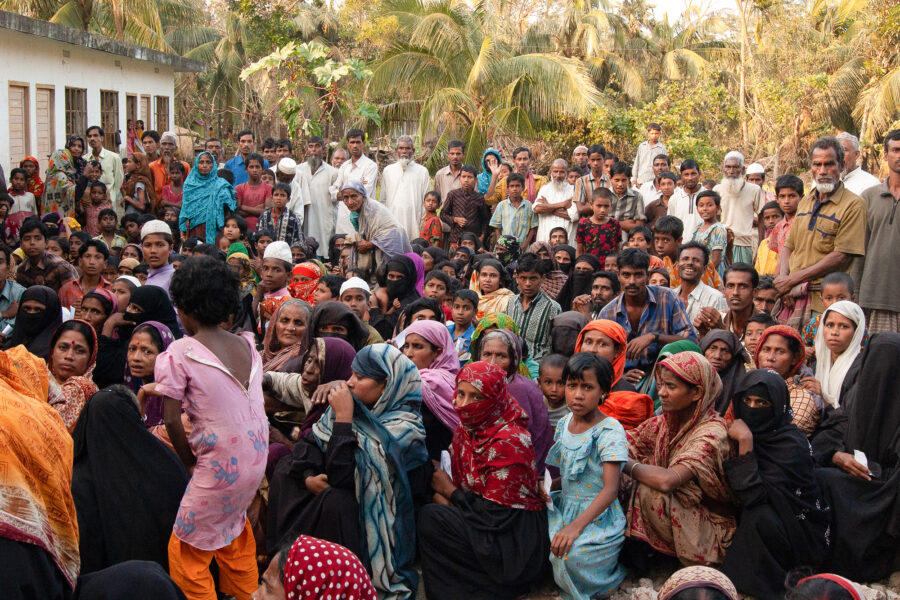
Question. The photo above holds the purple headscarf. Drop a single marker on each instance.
(335, 357)
(438, 380)
(420, 271)
(153, 407)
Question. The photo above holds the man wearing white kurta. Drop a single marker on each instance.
(854, 177)
(741, 202)
(359, 168)
(403, 187)
(316, 177)
(553, 200)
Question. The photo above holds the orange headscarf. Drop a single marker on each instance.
(306, 290)
(627, 407)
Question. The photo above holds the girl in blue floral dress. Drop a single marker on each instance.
(587, 525)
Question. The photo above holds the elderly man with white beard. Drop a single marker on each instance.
(403, 187)
(827, 233)
(553, 204)
(316, 177)
(741, 202)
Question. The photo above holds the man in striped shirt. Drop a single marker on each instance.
(531, 310)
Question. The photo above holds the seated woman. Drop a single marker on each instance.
(283, 341)
(353, 470)
(147, 342)
(73, 354)
(127, 485)
(38, 317)
(398, 291)
(504, 349)
(528, 367)
(838, 343)
(335, 319)
(315, 569)
(422, 309)
(784, 519)
(304, 281)
(96, 308)
(151, 303)
(608, 339)
(491, 281)
(429, 346)
(648, 385)
(825, 586)
(864, 493)
(130, 579)
(697, 583)
(780, 348)
(564, 330)
(727, 355)
(680, 505)
(580, 279)
(38, 524)
(485, 537)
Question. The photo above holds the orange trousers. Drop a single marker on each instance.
(238, 574)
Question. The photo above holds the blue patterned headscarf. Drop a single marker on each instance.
(390, 432)
(202, 199)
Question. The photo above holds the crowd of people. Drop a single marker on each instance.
(258, 378)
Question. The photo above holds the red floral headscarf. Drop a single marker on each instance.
(786, 332)
(306, 290)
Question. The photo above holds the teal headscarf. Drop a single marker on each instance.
(203, 200)
(389, 432)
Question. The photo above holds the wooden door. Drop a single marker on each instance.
(43, 122)
(18, 124)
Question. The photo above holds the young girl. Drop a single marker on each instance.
(599, 235)
(641, 237)
(216, 378)
(24, 203)
(97, 202)
(587, 525)
(139, 192)
(34, 183)
(254, 196)
(711, 233)
(432, 230)
(171, 194)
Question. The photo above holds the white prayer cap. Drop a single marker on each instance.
(279, 250)
(756, 169)
(287, 166)
(168, 135)
(354, 283)
(131, 279)
(734, 154)
(155, 226)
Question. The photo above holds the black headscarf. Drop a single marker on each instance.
(157, 307)
(578, 284)
(35, 331)
(564, 330)
(414, 307)
(127, 485)
(80, 162)
(134, 579)
(336, 313)
(402, 289)
(468, 236)
(436, 254)
(735, 369)
(567, 269)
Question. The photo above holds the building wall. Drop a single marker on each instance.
(39, 62)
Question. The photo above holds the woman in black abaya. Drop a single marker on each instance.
(784, 521)
(865, 499)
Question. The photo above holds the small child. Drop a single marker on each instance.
(513, 215)
(432, 230)
(219, 390)
(711, 233)
(97, 202)
(254, 195)
(107, 222)
(24, 204)
(170, 215)
(171, 193)
(836, 286)
(141, 272)
(550, 378)
(234, 230)
(268, 177)
(572, 175)
(284, 222)
(110, 271)
(766, 262)
(34, 183)
(641, 237)
(753, 330)
(587, 525)
(599, 235)
(465, 305)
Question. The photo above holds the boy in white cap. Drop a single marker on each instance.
(355, 294)
(756, 173)
(157, 243)
(272, 289)
(286, 172)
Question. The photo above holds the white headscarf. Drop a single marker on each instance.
(831, 375)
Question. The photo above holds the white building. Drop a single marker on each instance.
(56, 81)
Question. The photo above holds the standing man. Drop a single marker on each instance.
(879, 291)
(646, 152)
(168, 143)
(214, 147)
(855, 178)
(554, 206)
(580, 159)
(339, 157)
(359, 168)
(683, 203)
(113, 173)
(650, 189)
(828, 231)
(316, 178)
(741, 202)
(447, 178)
(246, 147)
(595, 177)
(403, 187)
(522, 160)
(150, 142)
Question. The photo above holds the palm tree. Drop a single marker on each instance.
(459, 81)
